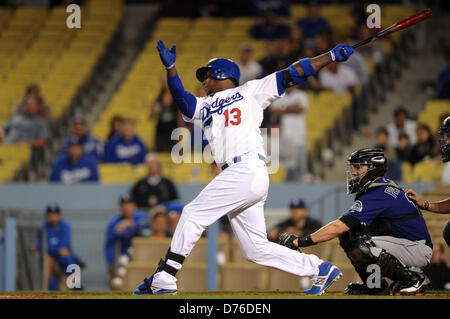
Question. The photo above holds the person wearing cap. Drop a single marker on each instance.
(74, 166)
(299, 222)
(91, 145)
(127, 147)
(58, 241)
(122, 228)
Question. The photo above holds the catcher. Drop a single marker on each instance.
(383, 227)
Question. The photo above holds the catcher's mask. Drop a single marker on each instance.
(377, 166)
(444, 132)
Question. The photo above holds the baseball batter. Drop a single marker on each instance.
(230, 117)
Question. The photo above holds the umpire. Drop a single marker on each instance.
(383, 227)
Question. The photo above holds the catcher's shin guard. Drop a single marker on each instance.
(392, 268)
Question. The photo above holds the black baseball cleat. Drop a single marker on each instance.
(419, 285)
(358, 288)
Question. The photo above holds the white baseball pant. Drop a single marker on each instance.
(239, 192)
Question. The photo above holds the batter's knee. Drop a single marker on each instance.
(446, 233)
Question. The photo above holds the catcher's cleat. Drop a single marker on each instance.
(146, 288)
(419, 286)
(287, 240)
(358, 288)
(328, 273)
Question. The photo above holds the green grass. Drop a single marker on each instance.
(242, 294)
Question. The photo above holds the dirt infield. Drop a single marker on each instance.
(207, 295)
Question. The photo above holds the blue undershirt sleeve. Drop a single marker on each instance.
(185, 101)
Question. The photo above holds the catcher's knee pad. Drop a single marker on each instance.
(360, 255)
(163, 266)
(446, 233)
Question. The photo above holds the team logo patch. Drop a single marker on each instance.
(357, 206)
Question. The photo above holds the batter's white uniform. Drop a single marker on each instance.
(231, 121)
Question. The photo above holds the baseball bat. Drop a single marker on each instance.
(407, 22)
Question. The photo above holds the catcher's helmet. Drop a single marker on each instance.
(374, 157)
(445, 143)
(221, 69)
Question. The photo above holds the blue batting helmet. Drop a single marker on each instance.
(221, 69)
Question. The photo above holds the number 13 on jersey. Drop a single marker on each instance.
(232, 117)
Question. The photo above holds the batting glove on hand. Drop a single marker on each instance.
(287, 240)
(167, 56)
(341, 52)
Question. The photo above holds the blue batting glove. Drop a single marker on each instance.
(167, 56)
(341, 52)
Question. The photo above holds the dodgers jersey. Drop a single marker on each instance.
(231, 118)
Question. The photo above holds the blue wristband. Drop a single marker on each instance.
(307, 67)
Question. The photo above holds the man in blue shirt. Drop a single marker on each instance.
(383, 227)
(58, 241)
(91, 145)
(122, 228)
(313, 24)
(269, 28)
(127, 147)
(74, 166)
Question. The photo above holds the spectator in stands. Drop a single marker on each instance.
(169, 118)
(153, 189)
(160, 224)
(58, 246)
(359, 16)
(424, 148)
(437, 270)
(174, 209)
(394, 171)
(338, 78)
(127, 147)
(291, 107)
(443, 80)
(297, 42)
(33, 90)
(74, 166)
(269, 28)
(372, 51)
(272, 60)
(382, 138)
(250, 69)
(313, 23)
(122, 228)
(298, 223)
(91, 145)
(401, 124)
(28, 127)
(403, 149)
(115, 127)
(280, 7)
